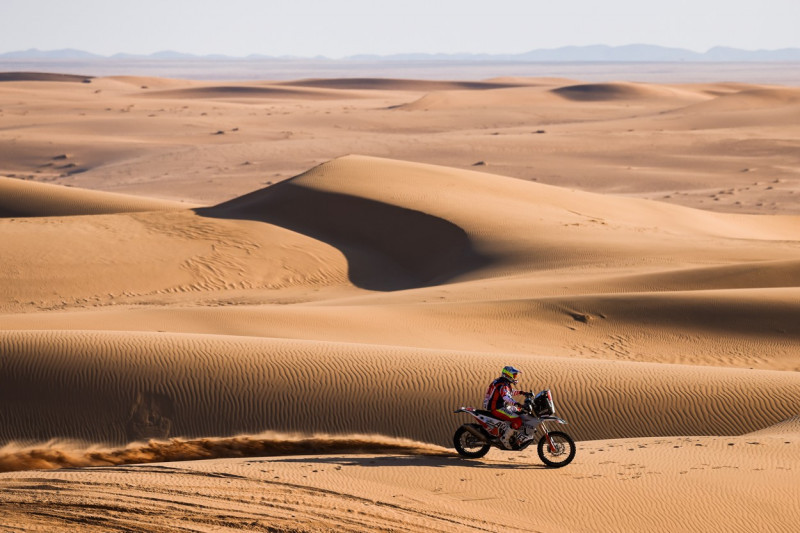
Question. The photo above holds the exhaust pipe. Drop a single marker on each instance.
(475, 433)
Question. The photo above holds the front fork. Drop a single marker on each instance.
(549, 440)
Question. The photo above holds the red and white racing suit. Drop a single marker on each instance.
(499, 400)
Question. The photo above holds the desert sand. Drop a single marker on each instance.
(255, 305)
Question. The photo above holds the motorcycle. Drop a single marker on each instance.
(556, 449)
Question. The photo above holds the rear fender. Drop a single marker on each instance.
(489, 424)
(533, 421)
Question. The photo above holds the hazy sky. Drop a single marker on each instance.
(339, 28)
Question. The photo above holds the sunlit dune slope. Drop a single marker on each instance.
(752, 99)
(20, 198)
(749, 108)
(103, 258)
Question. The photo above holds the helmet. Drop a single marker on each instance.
(510, 373)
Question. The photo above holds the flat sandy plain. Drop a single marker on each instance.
(254, 305)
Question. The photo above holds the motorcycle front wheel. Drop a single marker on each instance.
(563, 451)
(468, 445)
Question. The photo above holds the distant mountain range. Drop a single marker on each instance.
(595, 53)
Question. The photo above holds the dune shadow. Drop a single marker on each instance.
(387, 247)
(595, 92)
(395, 84)
(238, 91)
(43, 76)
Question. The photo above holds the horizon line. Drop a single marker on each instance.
(258, 55)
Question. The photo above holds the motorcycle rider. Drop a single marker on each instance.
(499, 400)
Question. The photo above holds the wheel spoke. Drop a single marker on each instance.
(556, 449)
(469, 441)
(468, 445)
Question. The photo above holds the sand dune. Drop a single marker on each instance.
(365, 223)
(755, 98)
(406, 84)
(784, 428)
(542, 100)
(598, 92)
(156, 253)
(124, 386)
(380, 239)
(127, 140)
(42, 76)
(496, 256)
(312, 89)
(145, 82)
(466, 99)
(324, 314)
(552, 94)
(238, 91)
(422, 187)
(30, 199)
(750, 108)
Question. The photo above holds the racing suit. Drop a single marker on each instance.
(499, 400)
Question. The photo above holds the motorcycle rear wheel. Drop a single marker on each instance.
(468, 445)
(564, 453)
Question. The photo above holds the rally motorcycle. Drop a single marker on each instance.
(556, 448)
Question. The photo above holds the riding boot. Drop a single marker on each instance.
(508, 432)
(524, 437)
